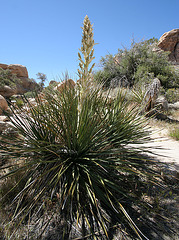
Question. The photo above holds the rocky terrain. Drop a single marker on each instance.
(23, 83)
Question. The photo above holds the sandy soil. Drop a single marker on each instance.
(166, 148)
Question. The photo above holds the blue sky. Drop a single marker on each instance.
(45, 35)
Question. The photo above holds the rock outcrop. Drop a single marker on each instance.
(25, 85)
(18, 70)
(169, 41)
(3, 104)
(22, 86)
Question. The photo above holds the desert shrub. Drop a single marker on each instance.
(7, 78)
(172, 95)
(16, 100)
(103, 77)
(30, 94)
(110, 75)
(138, 64)
(143, 77)
(19, 103)
(175, 133)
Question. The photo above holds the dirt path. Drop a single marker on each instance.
(167, 149)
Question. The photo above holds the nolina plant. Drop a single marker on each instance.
(84, 160)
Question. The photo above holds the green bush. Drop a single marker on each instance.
(106, 78)
(7, 78)
(143, 77)
(110, 74)
(29, 94)
(175, 133)
(138, 65)
(19, 103)
(172, 95)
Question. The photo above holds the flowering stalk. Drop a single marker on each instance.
(87, 51)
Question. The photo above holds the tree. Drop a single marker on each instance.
(42, 77)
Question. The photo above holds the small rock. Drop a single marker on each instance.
(4, 119)
(32, 101)
(174, 106)
(162, 103)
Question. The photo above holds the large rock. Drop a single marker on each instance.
(162, 103)
(151, 95)
(169, 41)
(3, 104)
(18, 70)
(7, 91)
(25, 85)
